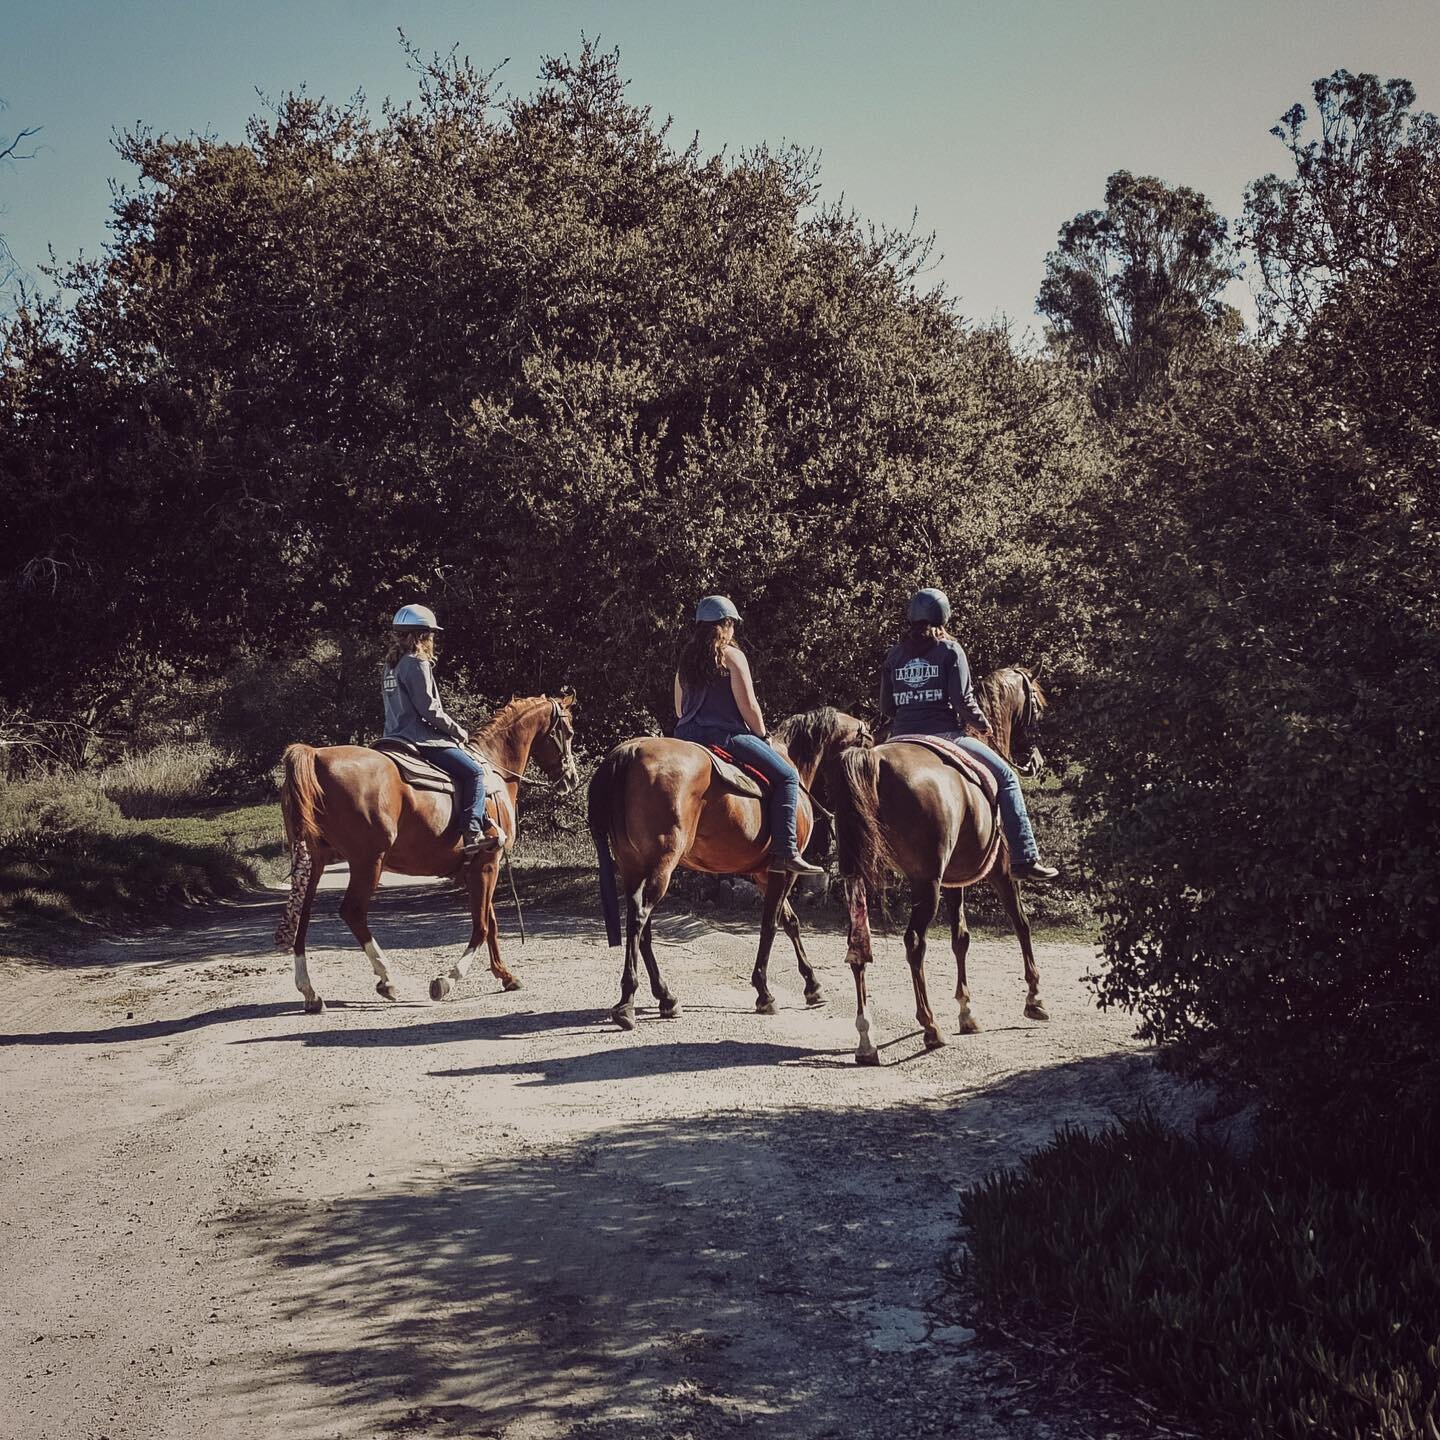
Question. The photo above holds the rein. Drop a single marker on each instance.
(505, 773)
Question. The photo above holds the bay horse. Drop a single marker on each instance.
(349, 802)
(657, 804)
(900, 806)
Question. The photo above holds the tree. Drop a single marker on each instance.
(1134, 289)
(527, 359)
(1263, 773)
(1362, 191)
(10, 149)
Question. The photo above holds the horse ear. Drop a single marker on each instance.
(567, 695)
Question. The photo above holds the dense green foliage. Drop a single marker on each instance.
(527, 360)
(1263, 769)
(1272, 1299)
(1133, 290)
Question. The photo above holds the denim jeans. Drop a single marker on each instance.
(783, 777)
(469, 777)
(1014, 819)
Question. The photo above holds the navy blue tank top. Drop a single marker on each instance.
(711, 716)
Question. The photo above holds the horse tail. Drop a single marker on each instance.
(863, 850)
(302, 801)
(601, 803)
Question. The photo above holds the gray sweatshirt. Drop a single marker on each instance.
(930, 693)
(412, 705)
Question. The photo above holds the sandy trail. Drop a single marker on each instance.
(499, 1216)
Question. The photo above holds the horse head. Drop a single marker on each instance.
(554, 750)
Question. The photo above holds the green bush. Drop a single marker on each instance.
(54, 806)
(1270, 1299)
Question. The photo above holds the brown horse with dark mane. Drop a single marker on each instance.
(901, 807)
(657, 804)
(348, 802)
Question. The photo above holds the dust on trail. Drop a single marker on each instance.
(499, 1216)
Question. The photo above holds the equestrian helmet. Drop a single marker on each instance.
(716, 608)
(415, 617)
(930, 607)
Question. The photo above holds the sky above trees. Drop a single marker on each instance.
(993, 124)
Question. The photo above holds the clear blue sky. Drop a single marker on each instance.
(994, 121)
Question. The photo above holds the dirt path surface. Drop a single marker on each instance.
(221, 1217)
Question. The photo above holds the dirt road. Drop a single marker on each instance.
(221, 1217)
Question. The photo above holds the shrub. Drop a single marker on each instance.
(1267, 1299)
(54, 806)
(163, 781)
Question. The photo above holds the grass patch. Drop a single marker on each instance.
(1294, 1294)
(121, 871)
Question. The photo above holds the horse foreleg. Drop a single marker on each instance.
(960, 944)
(924, 902)
(1009, 893)
(306, 881)
(507, 980)
(791, 921)
(354, 911)
(858, 956)
(777, 886)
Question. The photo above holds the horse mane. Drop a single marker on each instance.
(805, 735)
(1003, 717)
(507, 715)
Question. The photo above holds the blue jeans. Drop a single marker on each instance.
(469, 777)
(1014, 819)
(783, 777)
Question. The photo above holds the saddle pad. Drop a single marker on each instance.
(962, 760)
(419, 773)
(730, 775)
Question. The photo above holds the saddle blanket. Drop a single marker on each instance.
(744, 779)
(420, 774)
(961, 759)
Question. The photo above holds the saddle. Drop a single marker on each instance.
(740, 779)
(419, 773)
(960, 759)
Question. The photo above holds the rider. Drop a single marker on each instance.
(413, 712)
(715, 704)
(925, 686)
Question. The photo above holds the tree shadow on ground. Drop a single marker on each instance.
(766, 1273)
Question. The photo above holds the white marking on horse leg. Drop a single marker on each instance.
(377, 961)
(866, 1047)
(302, 976)
(461, 968)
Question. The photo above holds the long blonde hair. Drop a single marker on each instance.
(419, 643)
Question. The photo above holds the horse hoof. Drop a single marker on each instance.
(814, 998)
(670, 1011)
(935, 1041)
(867, 1057)
(765, 1007)
(624, 1017)
(440, 987)
(969, 1025)
(513, 984)
(1036, 1011)
(385, 989)
(315, 1006)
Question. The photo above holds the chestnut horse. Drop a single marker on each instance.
(901, 807)
(348, 802)
(657, 804)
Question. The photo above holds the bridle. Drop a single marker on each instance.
(556, 723)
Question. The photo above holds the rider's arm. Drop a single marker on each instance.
(962, 693)
(887, 693)
(419, 682)
(742, 687)
(679, 697)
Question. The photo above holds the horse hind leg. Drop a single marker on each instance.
(960, 945)
(669, 1005)
(1009, 892)
(924, 902)
(305, 881)
(640, 902)
(354, 911)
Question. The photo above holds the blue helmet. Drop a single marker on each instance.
(930, 607)
(716, 608)
(415, 617)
